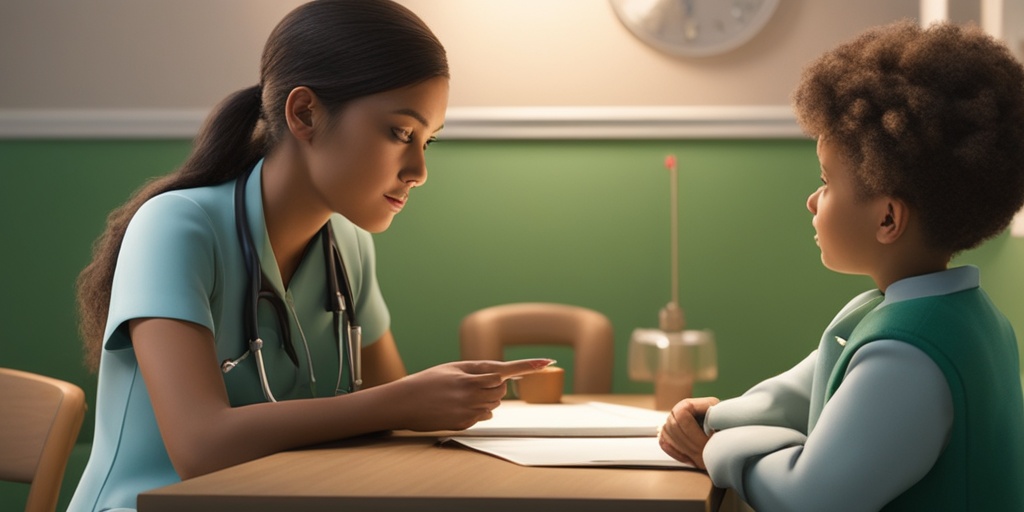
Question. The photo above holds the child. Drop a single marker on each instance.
(209, 302)
(912, 400)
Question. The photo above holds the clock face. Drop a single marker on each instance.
(694, 28)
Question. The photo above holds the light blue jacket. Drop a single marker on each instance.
(879, 434)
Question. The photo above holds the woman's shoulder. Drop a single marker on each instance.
(212, 204)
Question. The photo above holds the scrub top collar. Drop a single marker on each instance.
(258, 229)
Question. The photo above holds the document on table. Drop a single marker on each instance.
(590, 419)
(638, 452)
(586, 434)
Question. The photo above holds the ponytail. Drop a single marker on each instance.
(226, 146)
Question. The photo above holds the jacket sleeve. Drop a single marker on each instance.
(781, 401)
(880, 433)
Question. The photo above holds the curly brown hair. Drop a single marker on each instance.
(934, 117)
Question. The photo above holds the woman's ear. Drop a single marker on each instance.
(299, 112)
(894, 215)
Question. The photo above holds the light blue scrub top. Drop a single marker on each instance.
(181, 259)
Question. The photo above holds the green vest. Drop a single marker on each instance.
(982, 465)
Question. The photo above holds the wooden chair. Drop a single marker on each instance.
(38, 428)
(484, 334)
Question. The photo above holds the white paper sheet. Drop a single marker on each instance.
(591, 419)
(640, 452)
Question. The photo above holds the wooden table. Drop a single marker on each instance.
(410, 471)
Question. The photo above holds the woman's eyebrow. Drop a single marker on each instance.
(411, 113)
(417, 116)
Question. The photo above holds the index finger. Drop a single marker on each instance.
(507, 369)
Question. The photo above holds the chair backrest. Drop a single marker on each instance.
(484, 334)
(39, 425)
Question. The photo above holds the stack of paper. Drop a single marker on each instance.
(591, 419)
(587, 434)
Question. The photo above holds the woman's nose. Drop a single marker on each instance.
(415, 171)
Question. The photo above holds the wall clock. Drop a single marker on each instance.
(694, 28)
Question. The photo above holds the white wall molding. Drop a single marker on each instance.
(703, 122)
(100, 123)
(620, 122)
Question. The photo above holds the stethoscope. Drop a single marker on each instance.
(339, 301)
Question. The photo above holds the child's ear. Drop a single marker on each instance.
(298, 112)
(893, 218)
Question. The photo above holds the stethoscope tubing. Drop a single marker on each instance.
(339, 303)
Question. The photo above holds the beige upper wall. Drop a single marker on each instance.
(191, 53)
(188, 54)
(128, 54)
(576, 52)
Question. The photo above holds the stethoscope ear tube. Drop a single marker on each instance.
(252, 292)
(249, 322)
(256, 347)
(354, 343)
(355, 355)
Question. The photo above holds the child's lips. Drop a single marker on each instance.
(397, 202)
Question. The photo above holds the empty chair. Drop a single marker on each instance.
(39, 422)
(484, 334)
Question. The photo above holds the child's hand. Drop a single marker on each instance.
(682, 436)
(454, 396)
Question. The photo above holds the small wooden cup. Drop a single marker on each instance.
(542, 387)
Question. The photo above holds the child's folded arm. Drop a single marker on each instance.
(781, 401)
(878, 435)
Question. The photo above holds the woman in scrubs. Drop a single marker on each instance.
(331, 139)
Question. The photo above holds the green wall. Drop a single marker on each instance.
(581, 222)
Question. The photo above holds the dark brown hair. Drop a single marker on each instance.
(341, 49)
(933, 116)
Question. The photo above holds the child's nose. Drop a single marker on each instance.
(812, 201)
